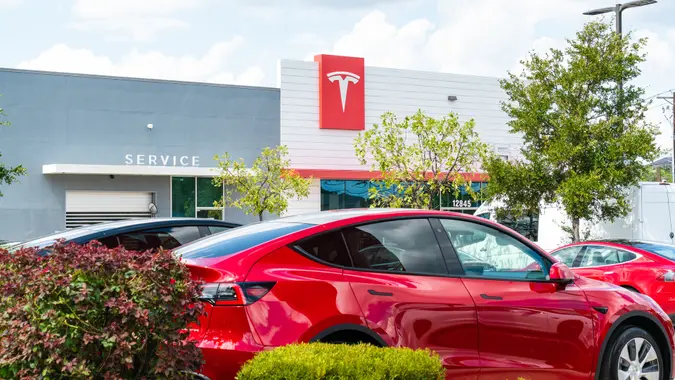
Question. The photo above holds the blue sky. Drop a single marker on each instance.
(240, 41)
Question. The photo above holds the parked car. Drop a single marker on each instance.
(136, 234)
(394, 278)
(652, 218)
(640, 266)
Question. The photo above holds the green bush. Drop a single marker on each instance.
(322, 361)
(89, 312)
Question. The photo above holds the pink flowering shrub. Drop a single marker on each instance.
(89, 312)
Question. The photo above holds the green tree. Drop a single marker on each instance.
(420, 158)
(586, 139)
(266, 186)
(652, 174)
(662, 173)
(8, 175)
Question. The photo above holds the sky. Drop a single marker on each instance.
(240, 41)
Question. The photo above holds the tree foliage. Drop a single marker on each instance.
(264, 187)
(420, 158)
(654, 174)
(8, 175)
(586, 139)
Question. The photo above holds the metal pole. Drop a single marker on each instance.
(619, 31)
(672, 155)
(618, 12)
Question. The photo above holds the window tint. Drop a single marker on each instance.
(664, 250)
(487, 252)
(110, 242)
(396, 246)
(238, 239)
(327, 247)
(216, 229)
(595, 256)
(167, 238)
(625, 256)
(567, 255)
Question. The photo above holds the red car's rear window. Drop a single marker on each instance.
(237, 239)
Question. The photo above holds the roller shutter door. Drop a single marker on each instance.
(92, 207)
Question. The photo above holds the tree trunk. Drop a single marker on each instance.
(260, 217)
(576, 236)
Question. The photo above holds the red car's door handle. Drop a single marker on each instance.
(383, 294)
(487, 297)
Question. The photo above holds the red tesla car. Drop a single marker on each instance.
(640, 266)
(453, 283)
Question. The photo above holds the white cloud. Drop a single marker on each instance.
(138, 20)
(9, 3)
(490, 37)
(482, 37)
(384, 44)
(340, 4)
(210, 67)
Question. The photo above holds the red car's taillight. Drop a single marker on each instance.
(234, 294)
(668, 276)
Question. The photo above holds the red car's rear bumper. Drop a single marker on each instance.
(223, 363)
(664, 295)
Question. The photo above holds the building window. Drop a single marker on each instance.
(192, 197)
(341, 194)
(462, 202)
(183, 196)
(345, 194)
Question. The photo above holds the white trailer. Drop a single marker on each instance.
(652, 218)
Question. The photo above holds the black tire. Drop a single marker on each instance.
(612, 358)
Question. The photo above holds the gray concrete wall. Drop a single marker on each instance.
(77, 119)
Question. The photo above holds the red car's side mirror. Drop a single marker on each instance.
(560, 273)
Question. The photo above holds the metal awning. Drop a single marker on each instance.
(131, 170)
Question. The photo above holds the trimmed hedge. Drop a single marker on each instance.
(323, 361)
(89, 312)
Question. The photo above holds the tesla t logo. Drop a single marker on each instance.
(342, 107)
(343, 78)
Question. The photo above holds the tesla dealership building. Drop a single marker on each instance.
(105, 148)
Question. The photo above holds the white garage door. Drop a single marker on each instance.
(91, 207)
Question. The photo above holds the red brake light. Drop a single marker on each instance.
(668, 276)
(234, 294)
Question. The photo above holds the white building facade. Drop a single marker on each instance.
(326, 103)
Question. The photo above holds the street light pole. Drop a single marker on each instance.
(619, 27)
(618, 10)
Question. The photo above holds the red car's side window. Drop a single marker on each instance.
(595, 256)
(487, 252)
(407, 245)
(328, 247)
(568, 256)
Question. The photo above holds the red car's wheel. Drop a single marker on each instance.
(634, 355)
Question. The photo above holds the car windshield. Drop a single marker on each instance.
(237, 239)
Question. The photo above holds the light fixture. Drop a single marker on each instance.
(618, 10)
(452, 98)
(599, 11)
(150, 126)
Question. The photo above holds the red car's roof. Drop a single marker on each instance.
(324, 217)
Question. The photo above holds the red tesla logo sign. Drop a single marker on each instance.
(342, 95)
